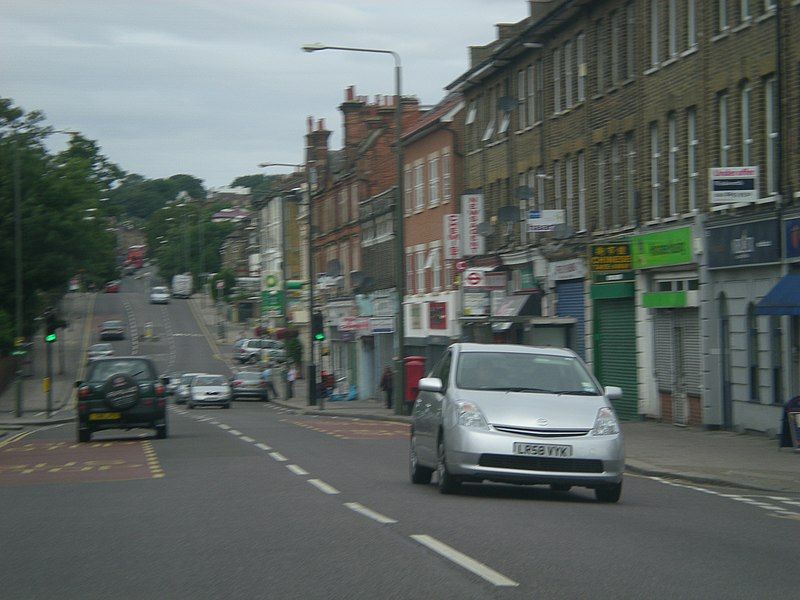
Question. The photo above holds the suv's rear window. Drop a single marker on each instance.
(138, 369)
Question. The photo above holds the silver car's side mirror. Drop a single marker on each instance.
(430, 384)
(613, 392)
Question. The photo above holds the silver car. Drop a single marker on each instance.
(516, 414)
(98, 351)
(210, 390)
(183, 392)
(159, 295)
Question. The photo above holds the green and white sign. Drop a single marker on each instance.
(271, 281)
(662, 248)
(272, 303)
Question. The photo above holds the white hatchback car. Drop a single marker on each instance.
(516, 414)
(159, 295)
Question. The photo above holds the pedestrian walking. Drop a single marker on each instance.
(266, 377)
(387, 383)
(291, 377)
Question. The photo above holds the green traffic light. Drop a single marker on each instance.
(319, 337)
(50, 338)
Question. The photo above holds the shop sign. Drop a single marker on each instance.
(753, 243)
(382, 324)
(544, 220)
(476, 304)
(472, 205)
(384, 306)
(791, 228)
(610, 258)
(664, 299)
(731, 185)
(452, 236)
(474, 278)
(272, 304)
(612, 277)
(437, 315)
(359, 324)
(662, 248)
(566, 269)
(416, 316)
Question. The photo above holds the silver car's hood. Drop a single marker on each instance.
(527, 409)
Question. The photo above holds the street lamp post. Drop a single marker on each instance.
(400, 268)
(311, 377)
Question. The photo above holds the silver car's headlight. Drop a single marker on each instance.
(469, 415)
(606, 422)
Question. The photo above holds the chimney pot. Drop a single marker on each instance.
(350, 93)
(310, 123)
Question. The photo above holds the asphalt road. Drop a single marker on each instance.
(262, 502)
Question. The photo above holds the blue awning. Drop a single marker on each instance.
(783, 299)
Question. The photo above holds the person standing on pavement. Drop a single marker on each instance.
(291, 377)
(387, 382)
(266, 377)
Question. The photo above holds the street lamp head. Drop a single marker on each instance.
(314, 47)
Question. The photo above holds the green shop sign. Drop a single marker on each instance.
(272, 304)
(664, 299)
(663, 248)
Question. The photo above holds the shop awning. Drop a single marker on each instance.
(783, 299)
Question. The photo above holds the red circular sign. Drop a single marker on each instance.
(461, 266)
(474, 279)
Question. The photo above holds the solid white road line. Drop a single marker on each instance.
(323, 487)
(223, 426)
(297, 470)
(263, 447)
(235, 431)
(247, 439)
(363, 510)
(278, 456)
(462, 560)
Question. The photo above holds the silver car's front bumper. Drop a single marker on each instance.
(475, 454)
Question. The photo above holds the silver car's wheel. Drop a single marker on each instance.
(418, 473)
(448, 484)
(609, 493)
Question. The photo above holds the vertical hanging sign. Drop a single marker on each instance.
(472, 207)
(452, 236)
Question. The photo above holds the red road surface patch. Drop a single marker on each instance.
(355, 429)
(59, 461)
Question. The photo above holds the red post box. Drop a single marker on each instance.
(415, 370)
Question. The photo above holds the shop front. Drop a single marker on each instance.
(614, 323)
(375, 339)
(433, 323)
(745, 380)
(670, 322)
(342, 360)
(568, 278)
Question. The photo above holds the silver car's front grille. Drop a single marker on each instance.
(542, 433)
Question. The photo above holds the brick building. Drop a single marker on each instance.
(612, 112)
(353, 184)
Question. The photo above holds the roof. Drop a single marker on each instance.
(442, 112)
(553, 351)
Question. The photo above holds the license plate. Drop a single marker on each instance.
(104, 416)
(547, 450)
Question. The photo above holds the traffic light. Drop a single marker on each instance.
(50, 326)
(317, 328)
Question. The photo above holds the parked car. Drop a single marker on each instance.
(209, 390)
(112, 330)
(248, 384)
(183, 391)
(121, 393)
(172, 381)
(255, 349)
(159, 295)
(112, 287)
(516, 414)
(98, 351)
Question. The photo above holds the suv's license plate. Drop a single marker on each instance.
(104, 416)
(547, 450)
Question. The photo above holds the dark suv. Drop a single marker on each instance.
(121, 392)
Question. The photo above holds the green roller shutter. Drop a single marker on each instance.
(615, 343)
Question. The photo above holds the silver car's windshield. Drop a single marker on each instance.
(205, 380)
(524, 372)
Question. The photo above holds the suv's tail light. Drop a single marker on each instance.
(159, 389)
(84, 391)
(83, 407)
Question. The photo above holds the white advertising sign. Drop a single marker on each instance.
(544, 220)
(472, 207)
(729, 185)
(452, 236)
(567, 269)
(476, 304)
(474, 278)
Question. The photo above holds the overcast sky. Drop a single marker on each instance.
(211, 88)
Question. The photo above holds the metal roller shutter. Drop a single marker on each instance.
(570, 304)
(662, 350)
(616, 342)
(692, 355)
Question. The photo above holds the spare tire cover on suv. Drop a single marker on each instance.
(121, 392)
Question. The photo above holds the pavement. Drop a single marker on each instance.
(721, 458)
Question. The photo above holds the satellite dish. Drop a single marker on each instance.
(506, 103)
(484, 229)
(508, 214)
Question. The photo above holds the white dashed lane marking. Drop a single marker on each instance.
(263, 447)
(234, 431)
(247, 439)
(462, 560)
(297, 470)
(323, 487)
(278, 456)
(375, 516)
